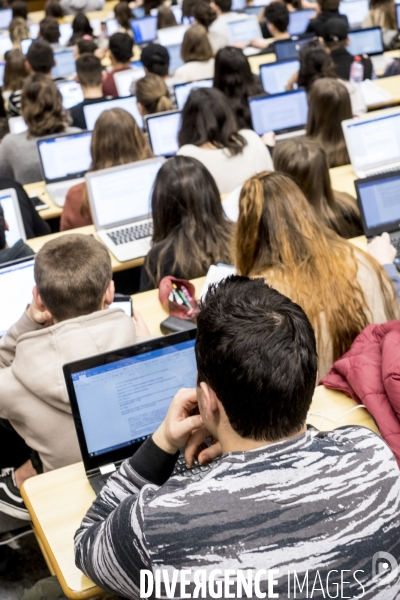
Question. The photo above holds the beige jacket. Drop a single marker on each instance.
(33, 395)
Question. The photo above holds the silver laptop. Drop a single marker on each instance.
(65, 33)
(16, 282)
(93, 111)
(163, 129)
(299, 20)
(120, 199)
(379, 203)
(182, 90)
(286, 114)
(123, 80)
(373, 142)
(64, 160)
(170, 36)
(244, 31)
(12, 214)
(71, 93)
(64, 64)
(355, 11)
(275, 76)
(2, 67)
(368, 41)
(175, 58)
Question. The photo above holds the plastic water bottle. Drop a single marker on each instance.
(357, 70)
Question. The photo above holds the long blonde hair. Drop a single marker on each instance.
(116, 140)
(279, 236)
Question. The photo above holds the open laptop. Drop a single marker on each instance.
(17, 125)
(379, 203)
(65, 64)
(71, 93)
(12, 214)
(144, 30)
(120, 199)
(175, 59)
(245, 30)
(112, 26)
(65, 33)
(373, 142)
(119, 398)
(5, 17)
(16, 281)
(238, 5)
(355, 11)
(368, 41)
(64, 160)
(170, 36)
(299, 20)
(275, 76)
(286, 49)
(2, 67)
(124, 79)
(182, 90)
(163, 129)
(25, 45)
(93, 111)
(34, 29)
(285, 114)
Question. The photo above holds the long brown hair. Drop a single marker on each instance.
(153, 94)
(305, 161)
(383, 14)
(14, 71)
(195, 45)
(116, 140)
(279, 236)
(18, 30)
(329, 105)
(42, 108)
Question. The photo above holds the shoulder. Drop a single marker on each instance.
(190, 150)
(75, 192)
(365, 442)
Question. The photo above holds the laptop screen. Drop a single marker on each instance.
(65, 157)
(144, 30)
(25, 45)
(365, 41)
(34, 29)
(289, 49)
(299, 20)
(123, 80)
(15, 227)
(116, 199)
(2, 67)
(5, 17)
(93, 111)
(17, 278)
(379, 200)
(65, 64)
(280, 112)
(275, 76)
(163, 133)
(355, 11)
(182, 90)
(112, 26)
(238, 5)
(374, 141)
(169, 36)
(244, 30)
(71, 93)
(66, 33)
(175, 59)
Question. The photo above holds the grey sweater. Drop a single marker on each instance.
(19, 157)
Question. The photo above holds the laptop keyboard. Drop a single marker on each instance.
(197, 472)
(396, 243)
(382, 170)
(131, 233)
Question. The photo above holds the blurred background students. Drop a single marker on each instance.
(197, 55)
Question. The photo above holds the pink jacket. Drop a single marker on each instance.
(370, 374)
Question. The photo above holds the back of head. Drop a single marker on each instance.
(203, 13)
(42, 109)
(315, 62)
(277, 14)
(18, 30)
(223, 5)
(155, 59)
(123, 14)
(72, 273)
(329, 5)
(14, 71)
(120, 45)
(86, 46)
(165, 18)
(53, 8)
(19, 9)
(188, 7)
(195, 45)
(188, 217)
(2, 229)
(207, 118)
(89, 71)
(232, 70)
(81, 25)
(152, 93)
(386, 13)
(249, 337)
(329, 105)
(335, 32)
(40, 56)
(149, 5)
(49, 30)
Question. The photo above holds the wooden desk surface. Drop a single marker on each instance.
(37, 16)
(57, 501)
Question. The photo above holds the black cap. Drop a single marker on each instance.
(154, 55)
(335, 30)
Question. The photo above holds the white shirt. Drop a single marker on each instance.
(220, 25)
(229, 171)
(195, 69)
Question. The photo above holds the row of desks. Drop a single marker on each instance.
(58, 501)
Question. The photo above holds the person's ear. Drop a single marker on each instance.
(209, 401)
(141, 109)
(109, 294)
(38, 299)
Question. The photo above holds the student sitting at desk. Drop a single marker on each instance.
(165, 18)
(382, 13)
(15, 74)
(152, 95)
(204, 14)
(335, 36)
(120, 52)
(53, 8)
(209, 132)
(18, 30)
(326, 10)
(280, 496)
(328, 105)
(116, 140)
(197, 54)
(306, 163)
(73, 7)
(44, 115)
(220, 26)
(191, 232)
(19, 10)
(123, 15)
(49, 31)
(18, 250)
(81, 27)
(340, 287)
(234, 78)
(68, 319)
(277, 21)
(89, 74)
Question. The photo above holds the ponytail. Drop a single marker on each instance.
(152, 93)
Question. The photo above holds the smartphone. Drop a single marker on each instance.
(124, 302)
(38, 204)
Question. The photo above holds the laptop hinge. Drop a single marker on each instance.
(105, 469)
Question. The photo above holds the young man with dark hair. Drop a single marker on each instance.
(18, 250)
(281, 496)
(155, 59)
(335, 36)
(19, 9)
(68, 319)
(89, 73)
(120, 51)
(49, 30)
(325, 10)
(277, 23)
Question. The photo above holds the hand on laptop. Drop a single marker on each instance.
(382, 250)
